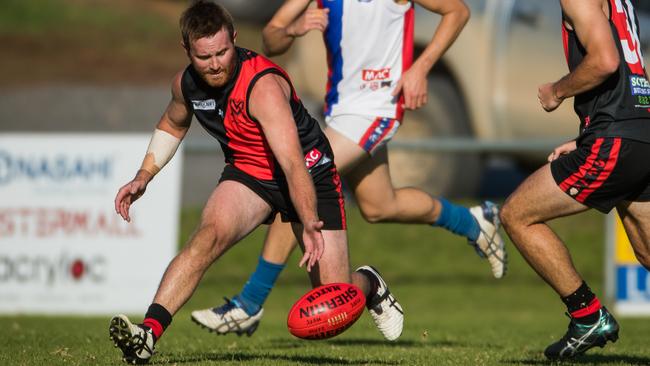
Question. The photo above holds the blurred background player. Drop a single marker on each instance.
(248, 104)
(604, 167)
(371, 80)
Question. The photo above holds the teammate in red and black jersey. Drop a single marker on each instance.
(603, 168)
(279, 161)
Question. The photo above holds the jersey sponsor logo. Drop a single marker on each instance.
(376, 85)
(204, 105)
(236, 106)
(639, 85)
(375, 74)
(315, 158)
(312, 157)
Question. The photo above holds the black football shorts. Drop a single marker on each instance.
(603, 171)
(329, 195)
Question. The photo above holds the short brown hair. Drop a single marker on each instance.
(204, 18)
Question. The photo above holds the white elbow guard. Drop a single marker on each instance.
(161, 148)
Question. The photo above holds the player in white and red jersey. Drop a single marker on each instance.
(372, 78)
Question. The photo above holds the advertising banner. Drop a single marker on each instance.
(63, 248)
(627, 281)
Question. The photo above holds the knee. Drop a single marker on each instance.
(207, 243)
(375, 214)
(508, 217)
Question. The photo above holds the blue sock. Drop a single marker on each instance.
(259, 286)
(458, 220)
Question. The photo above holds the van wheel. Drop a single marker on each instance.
(453, 174)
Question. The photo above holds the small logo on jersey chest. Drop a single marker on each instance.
(236, 106)
(315, 158)
(375, 74)
(204, 105)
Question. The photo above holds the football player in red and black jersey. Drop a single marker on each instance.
(605, 167)
(278, 162)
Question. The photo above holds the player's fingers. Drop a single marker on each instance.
(311, 262)
(420, 101)
(128, 211)
(314, 253)
(121, 195)
(117, 204)
(304, 259)
(123, 210)
(408, 99)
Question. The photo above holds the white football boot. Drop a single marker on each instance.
(135, 341)
(228, 318)
(490, 244)
(383, 307)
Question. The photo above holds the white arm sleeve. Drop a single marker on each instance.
(162, 147)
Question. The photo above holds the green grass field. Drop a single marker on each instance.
(456, 314)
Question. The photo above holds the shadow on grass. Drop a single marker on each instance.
(246, 356)
(367, 342)
(588, 360)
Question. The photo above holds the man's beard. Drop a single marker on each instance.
(217, 80)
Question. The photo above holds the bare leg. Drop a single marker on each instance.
(379, 201)
(636, 220)
(524, 215)
(225, 221)
(279, 242)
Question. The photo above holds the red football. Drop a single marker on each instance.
(326, 311)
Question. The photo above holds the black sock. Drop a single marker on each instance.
(158, 319)
(583, 305)
(374, 283)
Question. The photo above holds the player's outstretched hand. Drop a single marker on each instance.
(129, 193)
(314, 244)
(565, 148)
(312, 18)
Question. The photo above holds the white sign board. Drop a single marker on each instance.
(627, 281)
(63, 248)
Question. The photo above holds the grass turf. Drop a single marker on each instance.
(456, 314)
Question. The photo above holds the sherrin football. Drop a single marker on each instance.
(326, 311)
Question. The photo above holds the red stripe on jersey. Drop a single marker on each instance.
(246, 141)
(407, 55)
(604, 173)
(584, 168)
(629, 43)
(565, 42)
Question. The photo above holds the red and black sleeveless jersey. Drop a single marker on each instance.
(224, 113)
(620, 106)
